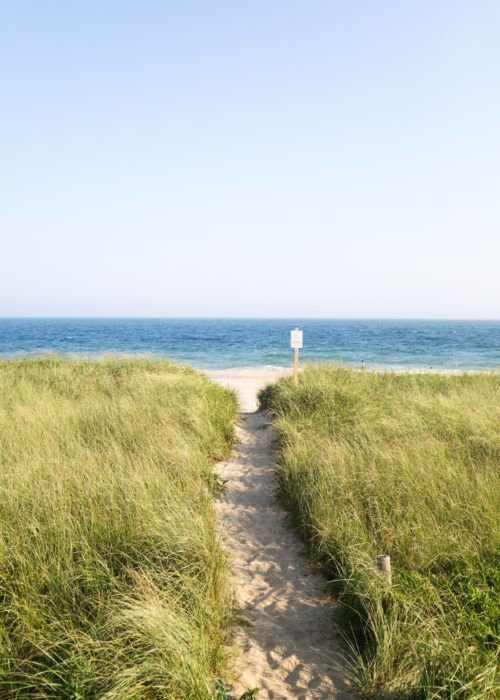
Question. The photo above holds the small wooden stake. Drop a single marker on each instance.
(296, 367)
(384, 566)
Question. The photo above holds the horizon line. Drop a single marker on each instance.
(247, 318)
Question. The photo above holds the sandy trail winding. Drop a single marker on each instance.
(286, 638)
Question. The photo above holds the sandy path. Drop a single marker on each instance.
(246, 382)
(289, 641)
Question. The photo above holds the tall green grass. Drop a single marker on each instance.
(405, 465)
(112, 582)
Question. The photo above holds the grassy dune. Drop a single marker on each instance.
(112, 583)
(406, 465)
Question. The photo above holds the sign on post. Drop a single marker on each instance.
(297, 339)
(297, 342)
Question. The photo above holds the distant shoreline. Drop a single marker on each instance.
(246, 370)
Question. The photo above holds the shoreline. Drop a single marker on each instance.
(246, 369)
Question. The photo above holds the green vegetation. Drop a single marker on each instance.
(405, 465)
(112, 582)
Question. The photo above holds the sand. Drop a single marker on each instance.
(246, 382)
(285, 637)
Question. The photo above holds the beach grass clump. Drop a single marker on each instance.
(405, 465)
(112, 580)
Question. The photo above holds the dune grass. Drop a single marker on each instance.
(405, 465)
(112, 582)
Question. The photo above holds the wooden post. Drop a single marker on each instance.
(296, 341)
(384, 567)
(296, 367)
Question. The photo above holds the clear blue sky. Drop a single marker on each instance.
(268, 158)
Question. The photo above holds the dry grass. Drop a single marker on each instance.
(406, 465)
(112, 582)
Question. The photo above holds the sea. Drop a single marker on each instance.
(229, 342)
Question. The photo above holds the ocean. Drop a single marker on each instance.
(228, 343)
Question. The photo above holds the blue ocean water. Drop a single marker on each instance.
(225, 343)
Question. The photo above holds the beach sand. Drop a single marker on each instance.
(247, 382)
(284, 637)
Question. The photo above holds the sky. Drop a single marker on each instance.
(321, 158)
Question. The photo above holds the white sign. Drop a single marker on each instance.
(296, 338)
